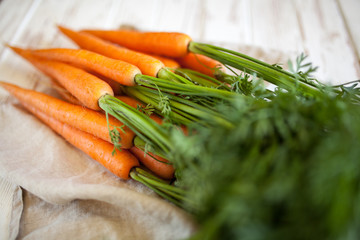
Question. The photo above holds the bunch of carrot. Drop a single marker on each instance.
(90, 80)
(117, 129)
(126, 92)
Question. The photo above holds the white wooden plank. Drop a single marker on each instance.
(13, 13)
(193, 21)
(138, 13)
(170, 15)
(281, 25)
(274, 25)
(82, 14)
(153, 15)
(225, 21)
(350, 10)
(240, 26)
(42, 31)
(161, 15)
(326, 40)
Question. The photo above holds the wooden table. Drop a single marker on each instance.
(326, 30)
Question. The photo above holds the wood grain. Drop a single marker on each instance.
(350, 13)
(327, 41)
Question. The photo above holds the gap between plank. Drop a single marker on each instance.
(348, 31)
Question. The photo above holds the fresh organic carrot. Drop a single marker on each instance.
(168, 62)
(84, 86)
(160, 166)
(119, 164)
(96, 44)
(135, 120)
(82, 118)
(116, 86)
(200, 63)
(148, 65)
(161, 43)
(65, 94)
(117, 70)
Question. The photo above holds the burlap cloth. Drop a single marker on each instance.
(64, 194)
(50, 190)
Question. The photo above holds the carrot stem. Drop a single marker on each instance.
(143, 126)
(165, 73)
(172, 193)
(154, 101)
(201, 79)
(142, 145)
(188, 110)
(248, 64)
(184, 89)
(149, 175)
(157, 186)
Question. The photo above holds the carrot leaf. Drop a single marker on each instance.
(114, 134)
(287, 169)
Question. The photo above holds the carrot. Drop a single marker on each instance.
(168, 62)
(117, 70)
(85, 87)
(119, 164)
(161, 43)
(65, 94)
(76, 116)
(148, 65)
(200, 63)
(156, 164)
(96, 44)
(142, 125)
(116, 86)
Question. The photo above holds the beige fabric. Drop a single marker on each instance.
(10, 209)
(67, 195)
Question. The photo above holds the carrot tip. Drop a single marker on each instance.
(7, 45)
(60, 27)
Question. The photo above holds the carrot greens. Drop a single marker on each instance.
(180, 110)
(268, 72)
(288, 169)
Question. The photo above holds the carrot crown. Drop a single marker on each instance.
(154, 135)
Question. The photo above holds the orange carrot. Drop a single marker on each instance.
(117, 70)
(85, 87)
(65, 94)
(142, 61)
(119, 164)
(148, 65)
(168, 62)
(200, 63)
(76, 116)
(161, 43)
(156, 164)
(116, 86)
